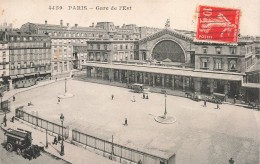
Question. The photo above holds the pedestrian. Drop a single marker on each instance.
(55, 140)
(13, 98)
(12, 120)
(231, 161)
(4, 119)
(59, 138)
(140, 162)
(56, 78)
(235, 100)
(58, 100)
(205, 103)
(218, 105)
(147, 96)
(143, 96)
(112, 97)
(125, 122)
(133, 100)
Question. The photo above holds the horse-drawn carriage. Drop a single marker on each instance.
(21, 142)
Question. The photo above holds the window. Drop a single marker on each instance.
(218, 64)
(19, 65)
(204, 62)
(232, 64)
(115, 47)
(218, 50)
(4, 54)
(121, 46)
(91, 46)
(233, 50)
(126, 46)
(205, 50)
(105, 46)
(98, 46)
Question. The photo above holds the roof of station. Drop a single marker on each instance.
(171, 71)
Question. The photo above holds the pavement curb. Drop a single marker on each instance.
(56, 157)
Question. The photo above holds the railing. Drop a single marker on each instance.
(37, 121)
(118, 150)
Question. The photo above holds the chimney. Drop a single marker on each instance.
(45, 21)
(76, 25)
(61, 22)
(68, 24)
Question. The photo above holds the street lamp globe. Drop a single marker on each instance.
(61, 117)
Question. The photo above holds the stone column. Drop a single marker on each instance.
(173, 82)
(183, 83)
(226, 88)
(95, 72)
(149, 79)
(88, 72)
(120, 76)
(144, 77)
(127, 77)
(111, 75)
(197, 84)
(135, 73)
(163, 80)
(102, 69)
(211, 86)
(153, 80)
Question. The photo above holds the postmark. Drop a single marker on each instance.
(218, 24)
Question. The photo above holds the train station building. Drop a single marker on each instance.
(173, 60)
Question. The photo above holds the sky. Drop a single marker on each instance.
(151, 13)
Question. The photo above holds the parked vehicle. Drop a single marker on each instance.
(138, 88)
(21, 142)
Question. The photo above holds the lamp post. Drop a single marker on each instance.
(62, 146)
(65, 85)
(1, 105)
(165, 110)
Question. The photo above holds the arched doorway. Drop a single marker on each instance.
(168, 49)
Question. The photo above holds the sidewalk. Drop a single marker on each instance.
(13, 92)
(72, 153)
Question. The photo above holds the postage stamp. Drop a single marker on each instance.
(218, 24)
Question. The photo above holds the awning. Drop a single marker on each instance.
(13, 77)
(20, 76)
(251, 85)
(43, 73)
(219, 94)
(29, 74)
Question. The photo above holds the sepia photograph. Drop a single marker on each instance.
(130, 81)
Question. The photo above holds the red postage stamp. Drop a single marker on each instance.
(218, 24)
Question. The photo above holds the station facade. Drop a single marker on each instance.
(172, 60)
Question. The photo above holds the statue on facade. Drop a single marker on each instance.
(167, 24)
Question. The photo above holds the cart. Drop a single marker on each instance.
(21, 142)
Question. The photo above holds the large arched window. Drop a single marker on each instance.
(168, 49)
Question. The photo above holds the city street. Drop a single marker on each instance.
(200, 135)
